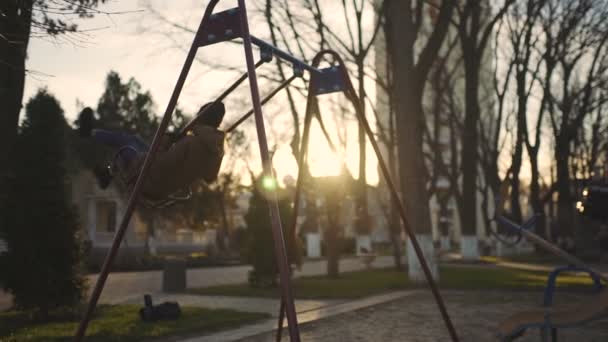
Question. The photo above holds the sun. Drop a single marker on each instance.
(323, 161)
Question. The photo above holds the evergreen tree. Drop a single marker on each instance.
(126, 107)
(41, 266)
(260, 251)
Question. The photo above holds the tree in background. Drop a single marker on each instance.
(411, 58)
(576, 39)
(476, 24)
(41, 266)
(20, 20)
(259, 242)
(126, 107)
(333, 191)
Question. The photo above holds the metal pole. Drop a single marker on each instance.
(410, 233)
(548, 246)
(282, 54)
(296, 201)
(103, 275)
(264, 101)
(279, 241)
(352, 96)
(219, 99)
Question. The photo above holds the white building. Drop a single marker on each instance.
(100, 213)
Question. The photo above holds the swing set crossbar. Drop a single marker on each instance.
(225, 26)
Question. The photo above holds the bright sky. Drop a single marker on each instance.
(131, 44)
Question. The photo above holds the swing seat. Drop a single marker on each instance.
(179, 195)
(550, 319)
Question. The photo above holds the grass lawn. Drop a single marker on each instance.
(364, 283)
(470, 278)
(122, 323)
(534, 258)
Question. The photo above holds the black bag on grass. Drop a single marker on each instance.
(164, 311)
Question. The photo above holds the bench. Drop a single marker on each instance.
(549, 319)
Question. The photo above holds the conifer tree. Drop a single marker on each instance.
(260, 251)
(40, 226)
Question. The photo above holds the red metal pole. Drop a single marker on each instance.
(351, 94)
(277, 230)
(296, 201)
(264, 100)
(103, 275)
(219, 99)
(410, 233)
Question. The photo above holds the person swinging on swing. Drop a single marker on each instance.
(177, 164)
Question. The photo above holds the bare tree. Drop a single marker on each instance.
(576, 35)
(405, 21)
(350, 38)
(492, 126)
(524, 36)
(591, 142)
(475, 26)
(443, 130)
(20, 20)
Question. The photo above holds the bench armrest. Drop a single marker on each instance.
(552, 280)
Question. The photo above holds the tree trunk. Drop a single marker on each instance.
(535, 201)
(470, 154)
(413, 180)
(15, 29)
(362, 218)
(519, 145)
(224, 229)
(409, 81)
(394, 220)
(565, 217)
(332, 247)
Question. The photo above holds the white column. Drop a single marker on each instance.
(469, 247)
(313, 245)
(456, 228)
(434, 209)
(415, 272)
(364, 242)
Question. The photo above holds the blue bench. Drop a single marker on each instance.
(549, 319)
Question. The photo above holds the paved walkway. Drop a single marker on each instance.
(250, 304)
(304, 316)
(129, 286)
(415, 318)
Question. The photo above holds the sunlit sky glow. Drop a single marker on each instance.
(134, 45)
(129, 44)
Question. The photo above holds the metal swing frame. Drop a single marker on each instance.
(225, 26)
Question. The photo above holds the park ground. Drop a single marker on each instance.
(414, 317)
(389, 308)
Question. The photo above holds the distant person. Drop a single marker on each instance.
(177, 164)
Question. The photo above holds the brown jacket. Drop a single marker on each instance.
(191, 158)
